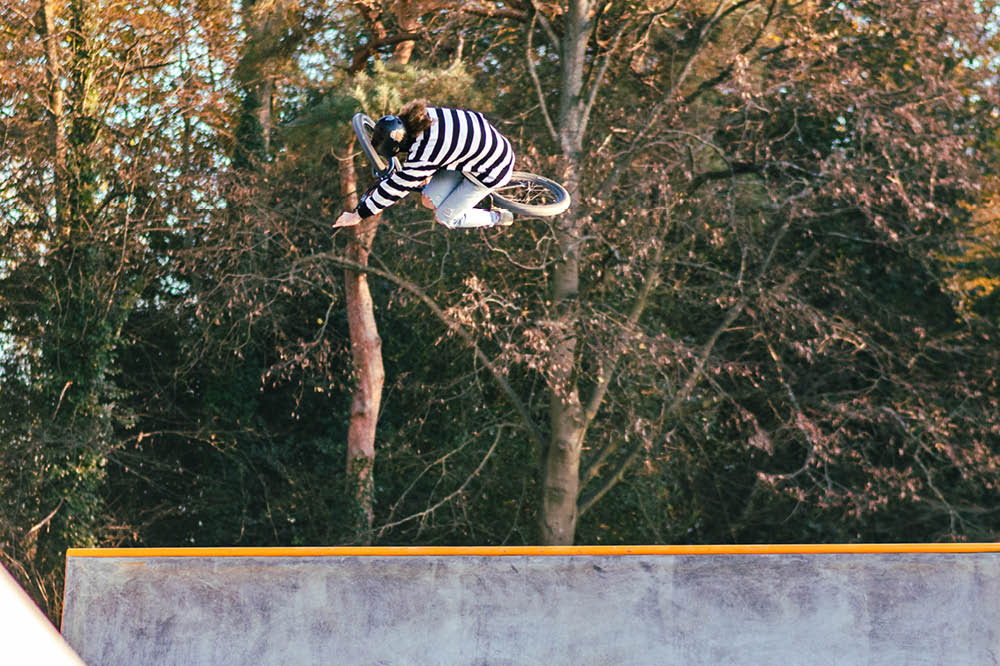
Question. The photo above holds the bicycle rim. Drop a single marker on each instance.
(532, 195)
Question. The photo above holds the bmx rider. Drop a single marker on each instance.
(456, 157)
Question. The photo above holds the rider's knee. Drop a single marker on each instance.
(446, 217)
(442, 215)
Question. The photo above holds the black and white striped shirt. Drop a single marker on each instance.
(458, 140)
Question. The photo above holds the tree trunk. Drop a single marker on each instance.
(366, 345)
(260, 67)
(561, 472)
(561, 477)
(408, 13)
(264, 93)
(366, 352)
(57, 132)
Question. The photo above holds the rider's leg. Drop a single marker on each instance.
(439, 187)
(453, 197)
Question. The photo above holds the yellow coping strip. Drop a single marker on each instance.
(521, 551)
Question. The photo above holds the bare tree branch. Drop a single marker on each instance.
(538, 85)
(450, 496)
(450, 322)
(588, 500)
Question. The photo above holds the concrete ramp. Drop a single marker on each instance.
(808, 605)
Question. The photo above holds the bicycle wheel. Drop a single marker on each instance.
(363, 128)
(535, 196)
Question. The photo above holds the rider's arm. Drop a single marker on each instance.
(422, 162)
(409, 178)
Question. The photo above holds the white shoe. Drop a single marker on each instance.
(505, 218)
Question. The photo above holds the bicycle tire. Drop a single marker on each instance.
(532, 195)
(363, 128)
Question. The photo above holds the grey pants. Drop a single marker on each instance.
(453, 196)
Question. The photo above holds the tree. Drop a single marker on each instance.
(730, 164)
(89, 194)
(972, 266)
(811, 192)
(384, 93)
(738, 139)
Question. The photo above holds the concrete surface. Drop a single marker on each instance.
(27, 638)
(810, 609)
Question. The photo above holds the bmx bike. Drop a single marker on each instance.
(524, 194)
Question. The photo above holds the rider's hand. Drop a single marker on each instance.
(347, 219)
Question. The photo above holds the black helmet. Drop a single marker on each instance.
(388, 136)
